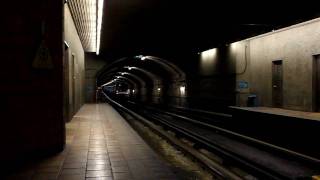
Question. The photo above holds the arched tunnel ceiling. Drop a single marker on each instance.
(144, 77)
(149, 69)
(127, 80)
(136, 83)
(167, 27)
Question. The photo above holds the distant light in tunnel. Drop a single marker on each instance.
(133, 91)
(182, 90)
(99, 23)
(159, 89)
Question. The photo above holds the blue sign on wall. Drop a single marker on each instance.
(243, 85)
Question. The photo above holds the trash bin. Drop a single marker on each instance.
(252, 100)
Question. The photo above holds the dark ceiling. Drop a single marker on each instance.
(172, 27)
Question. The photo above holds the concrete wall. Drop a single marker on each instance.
(222, 70)
(31, 93)
(211, 84)
(239, 55)
(93, 66)
(295, 46)
(74, 66)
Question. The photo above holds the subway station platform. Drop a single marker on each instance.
(100, 145)
(282, 112)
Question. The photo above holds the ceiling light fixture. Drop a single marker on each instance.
(99, 23)
(129, 68)
(141, 57)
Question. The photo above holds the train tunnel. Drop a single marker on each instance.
(157, 89)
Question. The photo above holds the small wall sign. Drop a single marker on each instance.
(243, 85)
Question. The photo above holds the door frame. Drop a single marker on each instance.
(66, 79)
(315, 81)
(274, 63)
(73, 82)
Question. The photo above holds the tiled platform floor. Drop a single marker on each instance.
(284, 112)
(100, 145)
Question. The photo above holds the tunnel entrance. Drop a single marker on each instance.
(277, 93)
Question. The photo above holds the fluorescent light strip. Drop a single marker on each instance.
(93, 24)
(99, 21)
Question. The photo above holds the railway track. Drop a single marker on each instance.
(261, 159)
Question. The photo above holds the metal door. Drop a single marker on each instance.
(277, 82)
(73, 73)
(316, 83)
